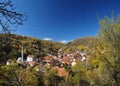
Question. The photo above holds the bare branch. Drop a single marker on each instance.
(9, 16)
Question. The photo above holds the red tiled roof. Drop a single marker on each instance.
(66, 60)
(47, 58)
(62, 71)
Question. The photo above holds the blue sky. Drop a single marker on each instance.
(63, 20)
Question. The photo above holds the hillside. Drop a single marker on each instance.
(10, 46)
(72, 46)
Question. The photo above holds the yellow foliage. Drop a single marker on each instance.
(68, 50)
(82, 47)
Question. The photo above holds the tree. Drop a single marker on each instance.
(9, 16)
(50, 77)
(15, 75)
(78, 75)
(109, 35)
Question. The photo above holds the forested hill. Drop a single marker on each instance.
(73, 45)
(10, 46)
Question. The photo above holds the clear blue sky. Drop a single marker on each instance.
(63, 20)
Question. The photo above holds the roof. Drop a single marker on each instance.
(67, 60)
(47, 58)
(62, 71)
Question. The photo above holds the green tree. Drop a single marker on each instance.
(14, 75)
(50, 77)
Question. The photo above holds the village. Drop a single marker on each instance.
(56, 61)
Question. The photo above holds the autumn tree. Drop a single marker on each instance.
(15, 75)
(109, 35)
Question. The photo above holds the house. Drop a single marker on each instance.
(61, 71)
(9, 61)
(66, 60)
(19, 60)
(30, 58)
(83, 58)
(47, 59)
(73, 63)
